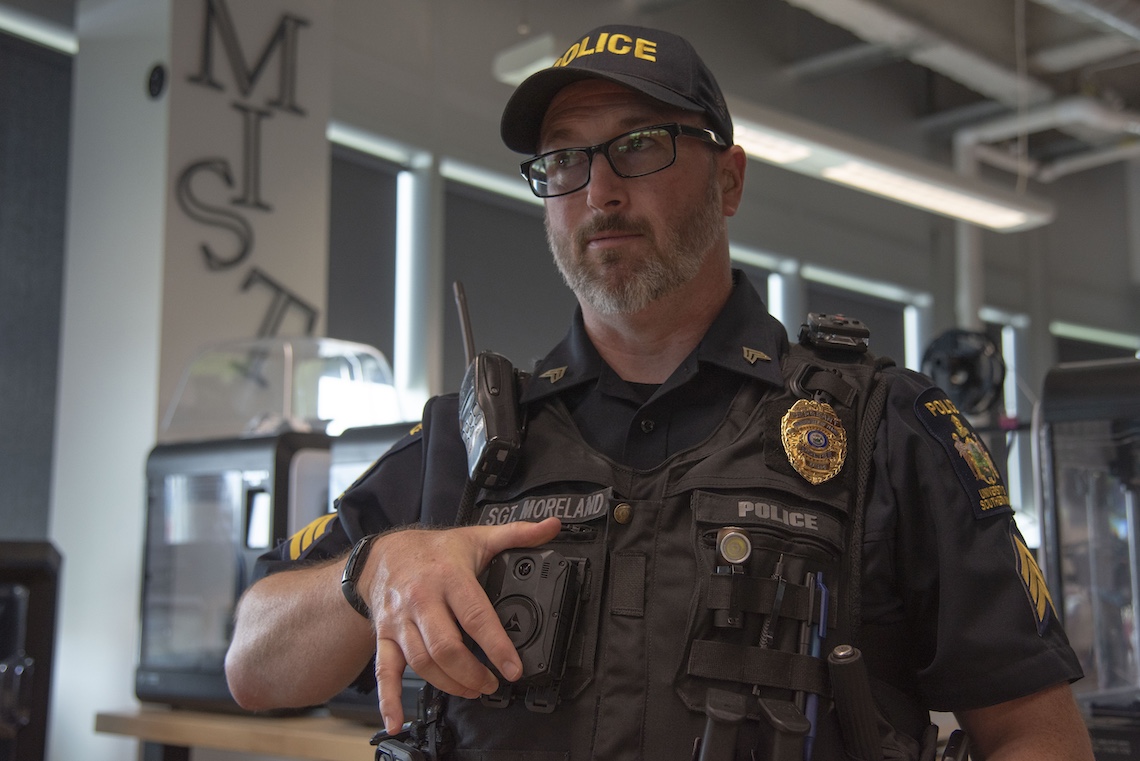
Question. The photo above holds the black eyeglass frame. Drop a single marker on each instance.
(674, 129)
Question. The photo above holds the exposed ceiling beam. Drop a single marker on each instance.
(1075, 55)
(878, 24)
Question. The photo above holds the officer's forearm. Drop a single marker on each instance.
(296, 641)
(1044, 726)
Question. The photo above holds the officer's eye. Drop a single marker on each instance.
(643, 140)
(565, 159)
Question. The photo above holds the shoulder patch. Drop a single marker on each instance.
(968, 455)
(1033, 581)
(303, 539)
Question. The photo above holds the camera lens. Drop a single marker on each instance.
(524, 568)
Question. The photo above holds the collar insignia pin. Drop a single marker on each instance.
(554, 375)
(752, 355)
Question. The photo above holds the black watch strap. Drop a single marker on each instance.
(353, 567)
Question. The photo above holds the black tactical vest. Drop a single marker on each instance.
(669, 607)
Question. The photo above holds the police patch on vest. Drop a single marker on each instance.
(814, 440)
(1033, 580)
(568, 508)
(969, 456)
(728, 510)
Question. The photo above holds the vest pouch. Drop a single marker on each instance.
(764, 560)
(588, 543)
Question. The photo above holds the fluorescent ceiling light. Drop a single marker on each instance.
(768, 147)
(926, 195)
(38, 30)
(808, 148)
(1090, 334)
(516, 63)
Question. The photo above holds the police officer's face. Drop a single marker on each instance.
(620, 242)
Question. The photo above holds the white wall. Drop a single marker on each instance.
(139, 298)
(108, 381)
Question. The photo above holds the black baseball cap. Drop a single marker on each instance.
(657, 63)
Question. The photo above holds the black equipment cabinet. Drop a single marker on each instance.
(212, 508)
(1087, 439)
(29, 595)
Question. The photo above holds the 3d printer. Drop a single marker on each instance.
(243, 461)
(1087, 435)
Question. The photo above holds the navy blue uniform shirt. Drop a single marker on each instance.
(955, 611)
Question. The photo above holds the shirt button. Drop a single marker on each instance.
(623, 513)
(647, 426)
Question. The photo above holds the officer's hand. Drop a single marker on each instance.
(423, 583)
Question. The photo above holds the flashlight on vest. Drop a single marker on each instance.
(733, 548)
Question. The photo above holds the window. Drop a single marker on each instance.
(519, 306)
(362, 250)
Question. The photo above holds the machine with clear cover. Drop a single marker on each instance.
(242, 463)
(265, 385)
(1087, 434)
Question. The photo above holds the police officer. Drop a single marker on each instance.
(665, 417)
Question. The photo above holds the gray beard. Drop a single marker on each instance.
(675, 259)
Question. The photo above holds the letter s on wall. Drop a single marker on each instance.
(213, 215)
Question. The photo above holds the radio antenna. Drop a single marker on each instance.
(464, 322)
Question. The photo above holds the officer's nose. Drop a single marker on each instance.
(606, 189)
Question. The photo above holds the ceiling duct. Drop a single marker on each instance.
(1110, 134)
(878, 24)
(1069, 114)
(1120, 16)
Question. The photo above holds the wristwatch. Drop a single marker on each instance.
(352, 570)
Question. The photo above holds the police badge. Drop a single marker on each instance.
(814, 440)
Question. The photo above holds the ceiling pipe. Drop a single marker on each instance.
(875, 22)
(969, 267)
(879, 24)
(1121, 16)
(971, 147)
(1089, 160)
(1076, 111)
(1014, 164)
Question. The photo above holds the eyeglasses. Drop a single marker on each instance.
(633, 154)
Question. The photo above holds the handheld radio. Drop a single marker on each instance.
(488, 410)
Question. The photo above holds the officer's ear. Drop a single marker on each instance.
(730, 171)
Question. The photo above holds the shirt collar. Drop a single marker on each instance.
(743, 338)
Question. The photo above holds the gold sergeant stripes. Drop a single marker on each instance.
(300, 541)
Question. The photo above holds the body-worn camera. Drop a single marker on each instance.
(835, 331)
(536, 593)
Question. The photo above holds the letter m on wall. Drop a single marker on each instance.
(219, 23)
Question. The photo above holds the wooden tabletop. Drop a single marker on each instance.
(318, 737)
